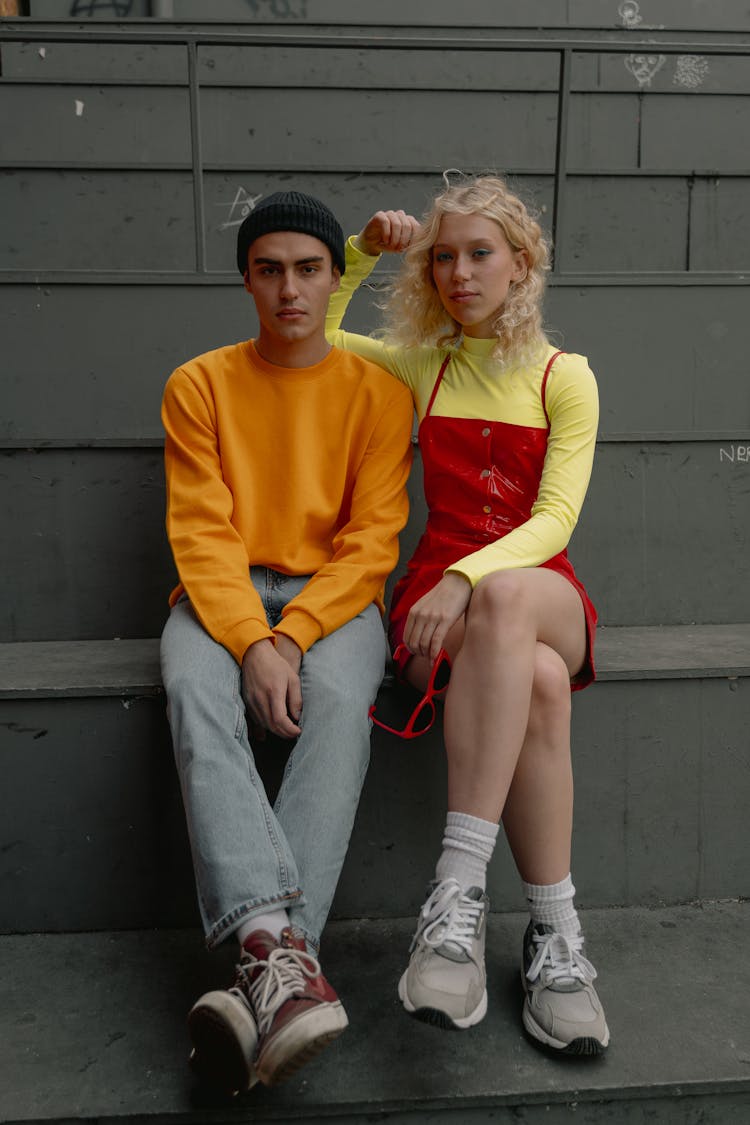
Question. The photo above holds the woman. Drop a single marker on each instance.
(507, 435)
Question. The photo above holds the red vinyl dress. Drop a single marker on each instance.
(481, 479)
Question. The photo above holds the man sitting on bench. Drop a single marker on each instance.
(286, 464)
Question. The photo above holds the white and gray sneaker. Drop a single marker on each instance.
(561, 1009)
(445, 982)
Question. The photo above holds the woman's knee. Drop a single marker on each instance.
(499, 600)
(550, 693)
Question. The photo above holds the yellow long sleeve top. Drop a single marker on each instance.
(299, 469)
(476, 386)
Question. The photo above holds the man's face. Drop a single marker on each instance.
(290, 277)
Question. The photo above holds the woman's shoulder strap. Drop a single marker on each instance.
(438, 381)
(545, 377)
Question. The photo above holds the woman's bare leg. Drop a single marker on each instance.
(488, 703)
(507, 736)
(538, 812)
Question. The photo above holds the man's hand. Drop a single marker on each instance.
(387, 232)
(431, 618)
(271, 687)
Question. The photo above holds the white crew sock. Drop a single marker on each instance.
(274, 923)
(468, 845)
(552, 904)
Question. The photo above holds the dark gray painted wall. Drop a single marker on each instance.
(697, 15)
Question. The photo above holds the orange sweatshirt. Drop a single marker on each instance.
(299, 469)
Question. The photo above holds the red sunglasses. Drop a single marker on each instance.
(423, 715)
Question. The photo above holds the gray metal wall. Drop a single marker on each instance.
(129, 153)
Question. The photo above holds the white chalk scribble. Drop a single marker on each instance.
(239, 208)
(690, 71)
(630, 13)
(735, 453)
(79, 107)
(644, 67)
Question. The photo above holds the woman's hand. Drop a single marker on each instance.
(431, 618)
(387, 232)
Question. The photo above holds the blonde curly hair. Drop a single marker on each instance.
(415, 315)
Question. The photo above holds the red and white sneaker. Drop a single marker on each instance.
(280, 1012)
(297, 1013)
(225, 1037)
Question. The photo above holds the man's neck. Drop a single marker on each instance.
(283, 353)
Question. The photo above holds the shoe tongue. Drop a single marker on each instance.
(564, 984)
(453, 952)
(560, 984)
(259, 944)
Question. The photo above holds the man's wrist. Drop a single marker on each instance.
(249, 654)
(289, 650)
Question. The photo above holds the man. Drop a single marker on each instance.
(286, 464)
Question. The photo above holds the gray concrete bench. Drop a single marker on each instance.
(95, 830)
(50, 669)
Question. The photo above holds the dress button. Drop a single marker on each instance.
(486, 431)
(485, 474)
(487, 509)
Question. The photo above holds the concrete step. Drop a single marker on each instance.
(94, 834)
(661, 539)
(93, 1030)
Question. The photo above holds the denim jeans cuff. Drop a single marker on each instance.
(226, 926)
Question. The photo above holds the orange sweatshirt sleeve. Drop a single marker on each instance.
(210, 556)
(365, 550)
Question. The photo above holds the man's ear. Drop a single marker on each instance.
(335, 278)
(246, 277)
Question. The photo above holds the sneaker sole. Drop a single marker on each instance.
(221, 1046)
(299, 1042)
(584, 1045)
(436, 1016)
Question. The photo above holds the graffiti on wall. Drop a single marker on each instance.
(239, 208)
(119, 8)
(644, 67)
(630, 13)
(279, 9)
(690, 71)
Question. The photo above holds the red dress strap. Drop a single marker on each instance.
(547, 370)
(436, 388)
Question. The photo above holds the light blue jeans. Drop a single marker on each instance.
(248, 857)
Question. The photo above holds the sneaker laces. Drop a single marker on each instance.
(449, 917)
(560, 960)
(282, 975)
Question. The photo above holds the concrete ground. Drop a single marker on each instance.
(92, 1028)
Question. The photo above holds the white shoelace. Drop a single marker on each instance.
(282, 976)
(559, 958)
(449, 917)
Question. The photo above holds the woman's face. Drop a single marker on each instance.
(473, 266)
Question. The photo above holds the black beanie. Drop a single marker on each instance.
(291, 210)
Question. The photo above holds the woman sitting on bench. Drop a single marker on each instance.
(490, 614)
